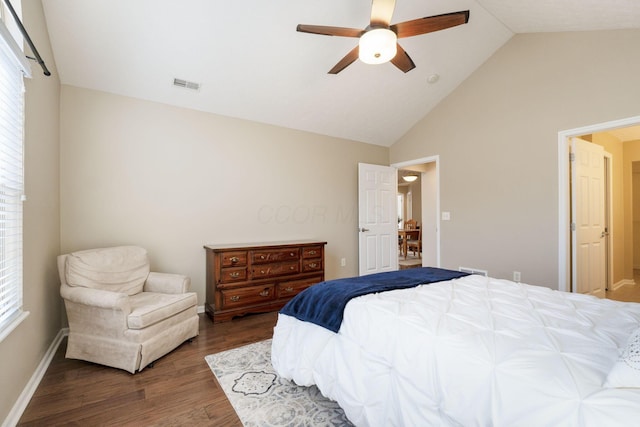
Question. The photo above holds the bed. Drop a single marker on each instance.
(470, 351)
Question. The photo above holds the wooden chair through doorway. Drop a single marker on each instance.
(415, 245)
(405, 235)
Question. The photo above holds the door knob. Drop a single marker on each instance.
(363, 230)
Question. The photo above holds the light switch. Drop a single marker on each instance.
(446, 216)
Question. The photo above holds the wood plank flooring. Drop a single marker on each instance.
(180, 390)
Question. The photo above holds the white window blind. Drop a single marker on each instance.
(12, 72)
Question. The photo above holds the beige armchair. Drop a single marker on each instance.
(121, 314)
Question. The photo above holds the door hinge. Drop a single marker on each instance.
(573, 226)
(572, 157)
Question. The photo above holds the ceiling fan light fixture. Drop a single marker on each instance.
(378, 46)
(410, 178)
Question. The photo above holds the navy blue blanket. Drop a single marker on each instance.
(324, 303)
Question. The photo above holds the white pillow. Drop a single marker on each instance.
(626, 371)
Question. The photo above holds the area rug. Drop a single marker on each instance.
(261, 398)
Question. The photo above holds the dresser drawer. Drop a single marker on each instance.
(246, 296)
(233, 274)
(294, 287)
(274, 255)
(233, 259)
(311, 265)
(312, 252)
(272, 270)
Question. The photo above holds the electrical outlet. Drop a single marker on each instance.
(343, 262)
(516, 276)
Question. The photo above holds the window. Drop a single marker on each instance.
(13, 69)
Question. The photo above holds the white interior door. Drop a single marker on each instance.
(588, 218)
(378, 224)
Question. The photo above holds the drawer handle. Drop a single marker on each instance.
(262, 272)
(264, 293)
(313, 265)
(288, 289)
(262, 257)
(234, 259)
(312, 252)
(292, 268)
(235, 274)
(235, 298)
(292, 254)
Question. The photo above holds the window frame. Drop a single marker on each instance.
(15, 66)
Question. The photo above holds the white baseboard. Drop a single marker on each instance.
(622, 283)
(201, 309)
(25, 397)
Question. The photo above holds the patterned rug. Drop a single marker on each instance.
(262, 398)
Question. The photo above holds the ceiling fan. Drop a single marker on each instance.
(378, 41)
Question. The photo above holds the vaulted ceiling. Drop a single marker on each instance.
(252, 64)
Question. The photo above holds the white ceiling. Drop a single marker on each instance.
(631, 133)
(252, 64)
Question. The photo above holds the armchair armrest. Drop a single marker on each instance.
(96, 298)
(167, 283)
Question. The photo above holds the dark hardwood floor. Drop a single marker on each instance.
(180, 390)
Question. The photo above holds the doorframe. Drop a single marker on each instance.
(564, 196)
(431, 159)
(608, 163)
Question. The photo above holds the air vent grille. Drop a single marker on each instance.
(186, 84)
(473, 271)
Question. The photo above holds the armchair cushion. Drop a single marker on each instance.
(149, 308)
(121, 269)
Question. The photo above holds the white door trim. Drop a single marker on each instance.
(609, 219)
(564, 233)
(436, 160)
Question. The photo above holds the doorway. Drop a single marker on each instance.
(429, 205)
(565, 260)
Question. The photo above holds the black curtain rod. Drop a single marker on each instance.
(28, 39)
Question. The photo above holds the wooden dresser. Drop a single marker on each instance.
(261, 277)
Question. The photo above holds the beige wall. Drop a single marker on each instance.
(24, 348)
(497, 137)
(614, 146)
(631, 155)
(635, 207)
(173, 180)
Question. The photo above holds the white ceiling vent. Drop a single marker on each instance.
(186, 84)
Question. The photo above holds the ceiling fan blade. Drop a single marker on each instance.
(381, 12)
(345, 62)
(430, 24)
(403, 61)
(329, 31)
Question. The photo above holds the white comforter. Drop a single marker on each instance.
(473, 351)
